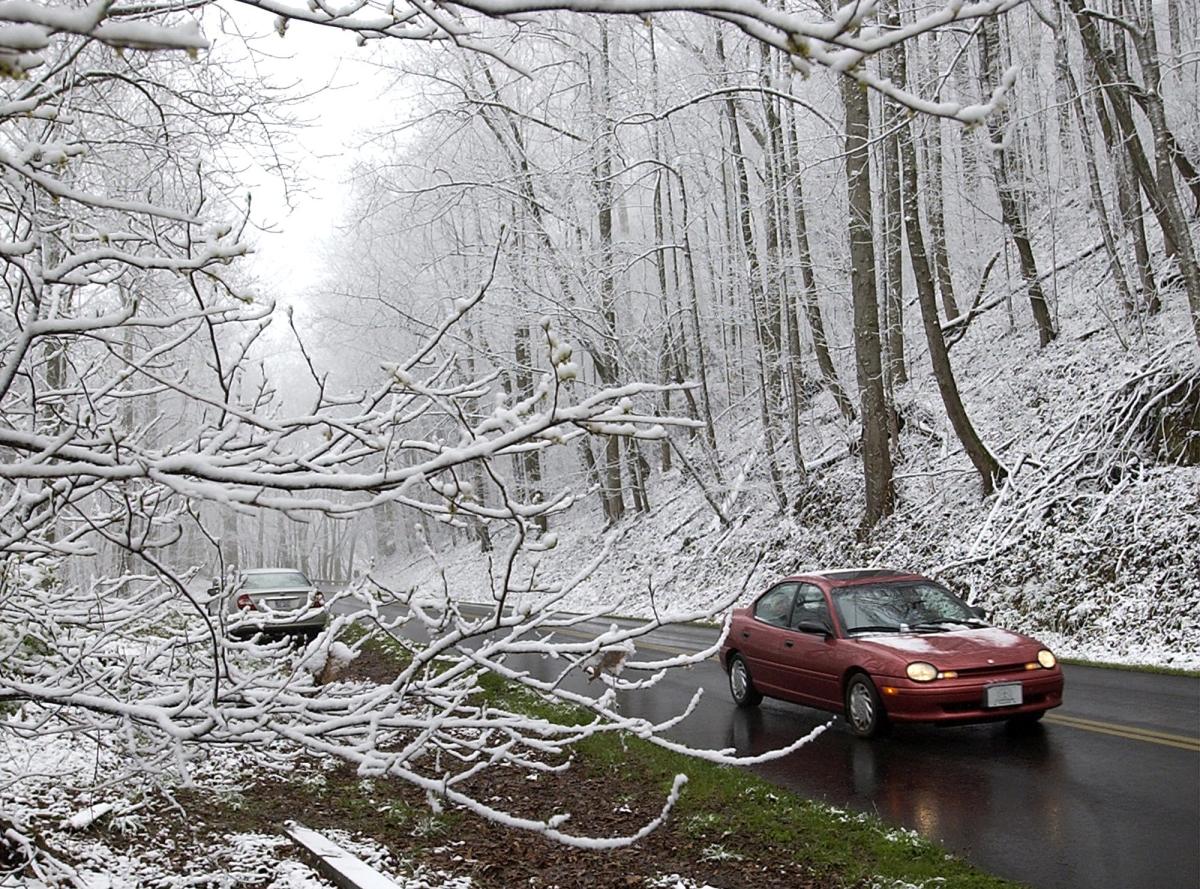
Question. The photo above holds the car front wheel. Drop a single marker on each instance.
(864, 710)
(741, 686)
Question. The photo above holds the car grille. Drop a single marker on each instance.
(992, 670)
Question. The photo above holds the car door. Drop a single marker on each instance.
(807, 661)
(760, 638)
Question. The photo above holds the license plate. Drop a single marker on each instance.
(285, 604)
(1005, 695)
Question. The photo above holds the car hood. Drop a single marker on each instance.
(958, 648)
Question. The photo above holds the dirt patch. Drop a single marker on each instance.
(372, 665)
(600, 799)
(457, 842)
(604, 797)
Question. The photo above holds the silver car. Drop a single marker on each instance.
(270, 601)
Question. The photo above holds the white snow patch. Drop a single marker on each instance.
(675, 881)
(348, 866)
(913, 644)
(86, 816)
(995, 636)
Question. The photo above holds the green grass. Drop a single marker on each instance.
(857, 849)
(740, 811)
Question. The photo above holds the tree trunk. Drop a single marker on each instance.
(1147, 52)
(666, 355)
(1125, 132)
(779, 307)
(808, 290)
(1010, 210)
(1096, 190)
(767, 350)
(531, 459)
(935, 213)
(1129, 202)
(479, 477)
(605, 357)
(893, 224)
(639, 471)
(877, 459)
(989, 469)
(1064, 93)
(689, 271)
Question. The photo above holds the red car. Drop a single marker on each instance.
(884, 646)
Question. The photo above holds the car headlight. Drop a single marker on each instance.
(922, 672)
(1047, 659)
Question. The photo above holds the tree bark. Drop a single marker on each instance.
(767, 349)
(1010, 210)
(1096, 190)
(1129, 202)
(779, 307)
(879, 485)
(808, 290)
(1147, 51)
(1125, 132)
(935, 213)
(605, 356)
(693, 310)
(893, 221)
(989, 469)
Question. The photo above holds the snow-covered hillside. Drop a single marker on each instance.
(1093, 544)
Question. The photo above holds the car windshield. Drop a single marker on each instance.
(275, 580)
(901, 607)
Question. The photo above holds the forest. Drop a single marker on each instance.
(629, 306)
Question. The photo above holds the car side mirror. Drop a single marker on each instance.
(979, 612)
(814, 626)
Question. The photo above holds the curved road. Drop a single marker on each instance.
(1104, 794)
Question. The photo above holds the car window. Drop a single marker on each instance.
(775, 606)
(810, 606)
(899, 606)
(274, 580)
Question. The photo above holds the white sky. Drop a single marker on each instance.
(343, 87)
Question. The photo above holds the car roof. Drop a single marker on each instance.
(268, 570)
(850, 576)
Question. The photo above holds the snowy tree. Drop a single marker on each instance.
(139, 419)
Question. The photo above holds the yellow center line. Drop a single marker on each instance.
(1183, 742)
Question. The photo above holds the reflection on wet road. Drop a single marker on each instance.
(1105, 794)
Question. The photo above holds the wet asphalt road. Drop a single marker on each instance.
(1104, 794)
(1062, 807)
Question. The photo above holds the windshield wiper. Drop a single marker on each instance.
(943, 626)
(873, 629)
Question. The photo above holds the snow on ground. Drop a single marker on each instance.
(57, 778)
(1100, 566)
(674, 881)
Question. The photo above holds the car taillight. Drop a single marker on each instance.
(245, 603)
(318, 600)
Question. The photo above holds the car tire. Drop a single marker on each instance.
(741, 686)
(864, 710)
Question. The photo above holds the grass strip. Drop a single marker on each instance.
(742, 810)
